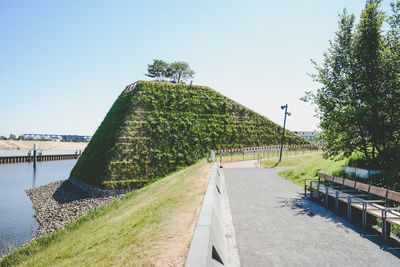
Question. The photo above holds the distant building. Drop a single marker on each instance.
(57, 138)
(308, 135)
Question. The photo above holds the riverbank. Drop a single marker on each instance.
(152, 226)
(41, 145)
(57, 204)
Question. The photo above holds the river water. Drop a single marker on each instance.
(17, 224)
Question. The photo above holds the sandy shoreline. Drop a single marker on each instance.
(41, 145)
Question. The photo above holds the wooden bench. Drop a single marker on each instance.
(370, 200)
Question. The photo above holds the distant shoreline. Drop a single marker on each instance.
(41, 145)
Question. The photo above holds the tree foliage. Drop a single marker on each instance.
(158, 70)
(358, 102)
(178, 71)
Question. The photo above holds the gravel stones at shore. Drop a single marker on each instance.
(57, 204)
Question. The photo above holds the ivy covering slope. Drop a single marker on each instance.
(159, 127)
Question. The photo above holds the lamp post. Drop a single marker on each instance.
(283, 132)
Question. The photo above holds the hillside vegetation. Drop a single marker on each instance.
(159, 127)
(149, 227)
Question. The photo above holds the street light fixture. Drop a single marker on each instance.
(284, 126)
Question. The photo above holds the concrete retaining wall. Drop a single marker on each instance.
(214, 241)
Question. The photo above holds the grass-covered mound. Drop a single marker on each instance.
(159, 127)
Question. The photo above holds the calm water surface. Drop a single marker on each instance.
(17, 225)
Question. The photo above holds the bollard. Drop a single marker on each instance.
(34, 156)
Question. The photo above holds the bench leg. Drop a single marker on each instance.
(337, 204)
(326, 198)
(364, 220)
(385, 230)
(349, 212)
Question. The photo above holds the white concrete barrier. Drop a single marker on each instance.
(214, 242)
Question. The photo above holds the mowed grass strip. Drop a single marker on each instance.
(150, 227)
(270, 157)
(289, 160)
(305, 167)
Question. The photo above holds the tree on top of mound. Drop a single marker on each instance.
(158, 70)
(178, 71)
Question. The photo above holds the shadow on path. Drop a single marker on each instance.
(304, 206)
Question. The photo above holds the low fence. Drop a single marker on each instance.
(262, 152)
(214, 241)
(20, 156)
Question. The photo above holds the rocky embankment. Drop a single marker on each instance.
(58, 203)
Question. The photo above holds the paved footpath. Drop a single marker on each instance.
(275, 226)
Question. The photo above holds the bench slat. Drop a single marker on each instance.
(338, 180)
(378, 191)
(392, 195)
(329, 178)
(349, 183)
(362, 187)
(375, 211)
(357, 205)
(393, 217)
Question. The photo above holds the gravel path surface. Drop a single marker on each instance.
(58, 203)
(276, 226)
(241, 164)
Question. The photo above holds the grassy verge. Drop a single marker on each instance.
(238, 156)
(227, 157)
(291, 161)
(308, 167)
(152, 226)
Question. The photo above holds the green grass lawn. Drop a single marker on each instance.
(152, 226)
(288, 161)
(306, 166)
(238, 156)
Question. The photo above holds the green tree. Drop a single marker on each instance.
(180, 71)
(358, 102)
(367, 78)
(390, 83)
(158, 70)
(335, 93)
(12, 137)
(21, 137)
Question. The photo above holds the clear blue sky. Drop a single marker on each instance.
(63, 63)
